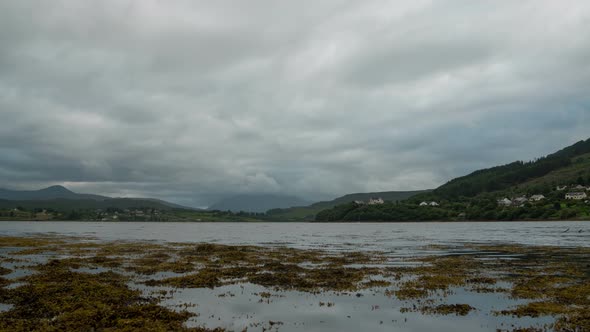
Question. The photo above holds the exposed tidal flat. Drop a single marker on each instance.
(305, 277)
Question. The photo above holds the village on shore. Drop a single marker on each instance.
(575, 192)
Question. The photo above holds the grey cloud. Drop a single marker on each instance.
(193, 100)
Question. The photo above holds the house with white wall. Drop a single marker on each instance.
(374, 201)
(577, 195)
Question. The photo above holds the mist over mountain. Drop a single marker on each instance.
(257, 202)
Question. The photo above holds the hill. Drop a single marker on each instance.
(475, 196)
(257, 203)
(561, 167)
(300, 213)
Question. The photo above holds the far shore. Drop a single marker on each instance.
(304, 221)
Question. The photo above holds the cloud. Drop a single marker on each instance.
(192, 100)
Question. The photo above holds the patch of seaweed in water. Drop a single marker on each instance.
(4, 271)
(448, 309)
(57, 299)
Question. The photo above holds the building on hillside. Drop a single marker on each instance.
(580, 188)
(537, 198)
(519, 200)
(359, 202)
(576, 195)
(374, 201)
(561, 188)
(504, 202)
(433, 203)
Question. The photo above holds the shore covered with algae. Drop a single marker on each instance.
(50, 283)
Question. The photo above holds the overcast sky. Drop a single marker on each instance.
(192, 100)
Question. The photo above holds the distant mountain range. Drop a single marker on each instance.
(300, 213)
(277, 207)
(257, 203)
(61, 198)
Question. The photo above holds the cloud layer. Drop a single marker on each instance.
(194, 100)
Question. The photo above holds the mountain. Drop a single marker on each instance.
(257, 203)
(52, 192)
(61, 198)
(309, 212)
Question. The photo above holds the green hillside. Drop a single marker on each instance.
(578, 172)
(564, 166)
(475, 196)
(308, 212)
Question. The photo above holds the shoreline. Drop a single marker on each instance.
(307, 221)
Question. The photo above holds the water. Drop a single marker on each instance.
(387, 237)
(299, 311)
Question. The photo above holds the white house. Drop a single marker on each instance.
(576, 195)
(537, 198)
(359, 202)
(433, 203)
(580, 187)
(504, 202)
(520, 200)
(374, 201)
(560, 188)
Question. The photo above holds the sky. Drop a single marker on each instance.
(191, 101)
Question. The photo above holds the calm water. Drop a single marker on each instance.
(301, 311)
(388, 237)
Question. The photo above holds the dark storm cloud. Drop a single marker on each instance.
(192, 100)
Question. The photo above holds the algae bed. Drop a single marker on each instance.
(51, 283)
